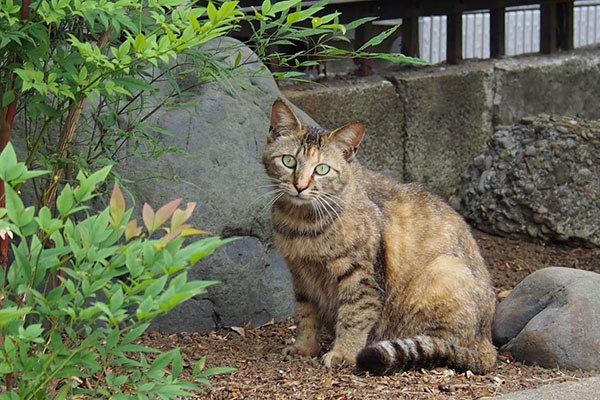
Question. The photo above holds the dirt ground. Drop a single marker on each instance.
(262, 373)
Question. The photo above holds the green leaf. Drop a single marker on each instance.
(8, 159)
(361, 21)
(293, 18)
(205, 247)
(99, 176)
(217, 371)
(176, 365)
(65, 201)
(10, 314)
(135, 333)
(283, 5)
(139, 43)
(211, 11)
(374, 41)
(116, 300)
(265, 7)
(162, 361)
(8, 98)
(14, 206)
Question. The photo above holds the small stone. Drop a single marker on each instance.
(530, 150)
(528, 188)
(454, 202)
(532, 230)
(479, 162)
(503, 227)
(538, 218)
(563, 130)
(505, 141)
(488, 162)
(561, 174)
(585, 174)
(528, 120)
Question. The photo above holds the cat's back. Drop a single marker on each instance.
(419, 226)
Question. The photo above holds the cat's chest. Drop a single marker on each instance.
(318, 285)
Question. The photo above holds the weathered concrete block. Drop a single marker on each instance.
(371, 100)
(446, 120)
(566, 84)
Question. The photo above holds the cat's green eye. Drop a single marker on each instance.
(289, 161)
(322, 169)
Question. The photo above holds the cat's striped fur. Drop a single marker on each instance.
(389, 268)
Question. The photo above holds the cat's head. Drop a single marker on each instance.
(308, 164)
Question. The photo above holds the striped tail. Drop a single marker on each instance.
(422, 351)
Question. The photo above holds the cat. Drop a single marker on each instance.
(390, 269)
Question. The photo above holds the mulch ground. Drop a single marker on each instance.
(262, 372)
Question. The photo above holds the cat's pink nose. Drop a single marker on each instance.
(299, 187)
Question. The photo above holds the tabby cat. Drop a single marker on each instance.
(390, 269)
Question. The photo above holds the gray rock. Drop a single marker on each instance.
(552, 318)
(223, 136)
(545, 172)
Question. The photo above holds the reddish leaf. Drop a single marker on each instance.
(164, 213)
(170, 236)
(148, 217)
(117, 205)
(132, 230)
(180, 216)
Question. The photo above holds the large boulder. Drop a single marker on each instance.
(223, 135)
(539, 178)
(552, 318)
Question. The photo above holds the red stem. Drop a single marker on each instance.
(5, 129)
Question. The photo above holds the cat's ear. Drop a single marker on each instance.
(283, 121)
(348, 137)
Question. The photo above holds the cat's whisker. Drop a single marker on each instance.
(332, 208)
(271, 202)
(320, 211)
(260, 196)
(327, 208)
(334, 199)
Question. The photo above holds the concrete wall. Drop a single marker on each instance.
(426, 124)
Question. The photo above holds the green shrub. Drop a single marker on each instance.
(115, 278)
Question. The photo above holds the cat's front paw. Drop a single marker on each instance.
(336, 358)
(303, 350)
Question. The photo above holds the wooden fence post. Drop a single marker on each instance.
(454, 38)
(497, 32)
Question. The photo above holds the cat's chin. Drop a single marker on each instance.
(298, 201)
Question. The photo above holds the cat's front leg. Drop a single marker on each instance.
(359, 309)
(307, 342)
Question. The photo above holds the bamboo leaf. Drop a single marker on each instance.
(376, 40)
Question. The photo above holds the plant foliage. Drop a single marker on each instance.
(78, 338)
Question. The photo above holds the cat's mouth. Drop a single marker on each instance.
(299, 199)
